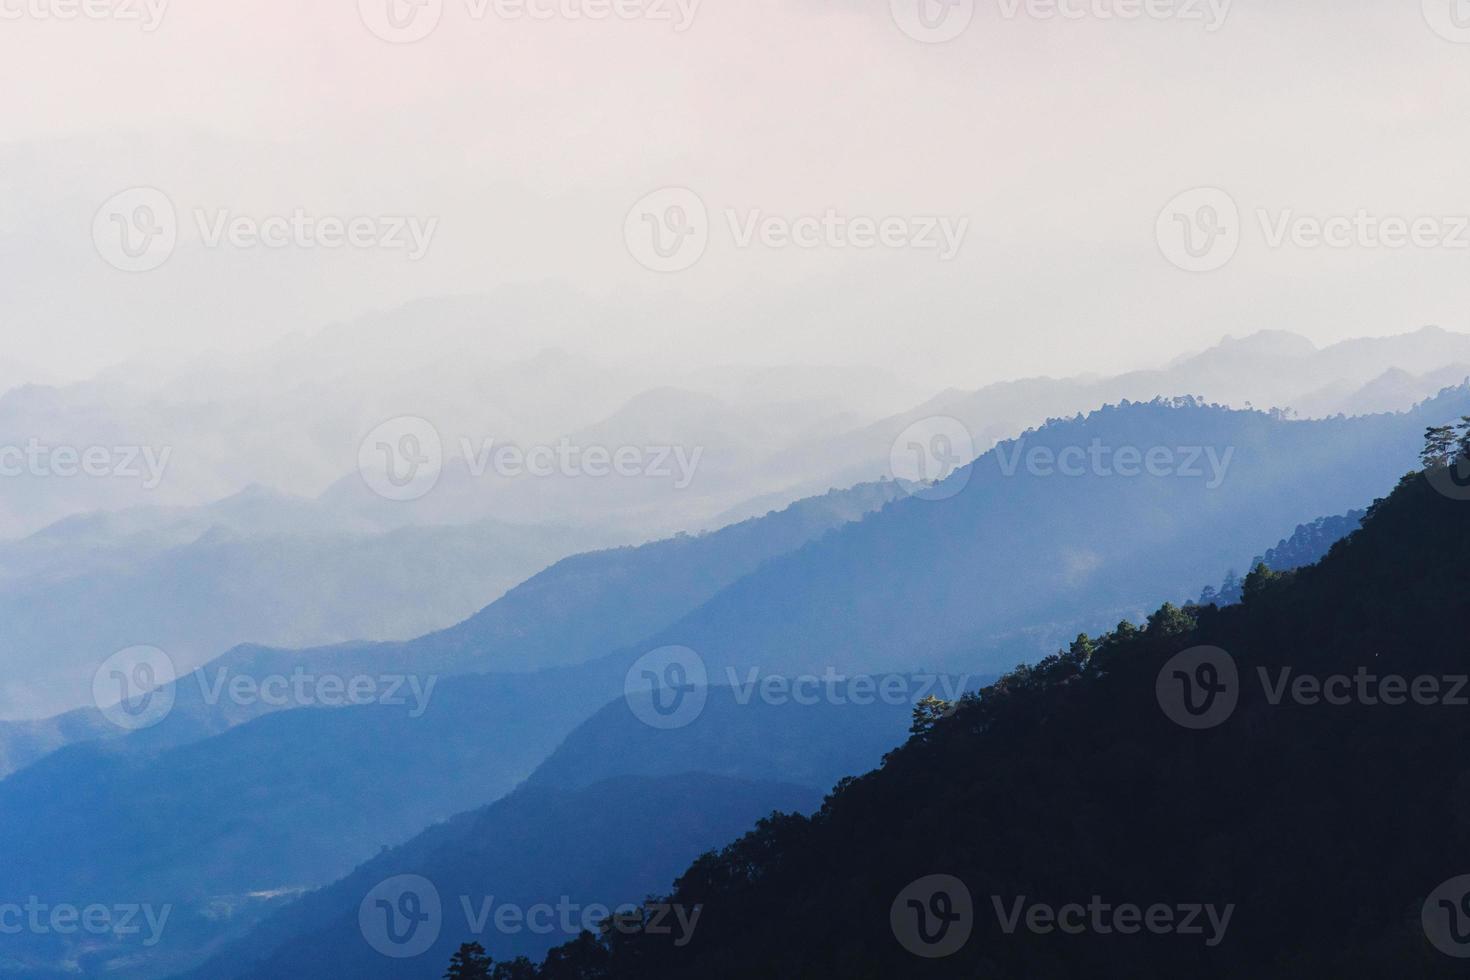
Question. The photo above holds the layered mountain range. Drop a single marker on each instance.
(1070, 527)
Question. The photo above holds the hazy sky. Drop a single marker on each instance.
(1047, 146)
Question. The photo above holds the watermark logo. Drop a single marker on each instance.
(1199, 230)
(136, 230)
(401, 21)
(1450, 19)
(401, 917)
(932, 457)
(933, 917)
(1199, 688)
(933, 21)
(1451, 480)
(667, 688)
(402, 459)
(134, 688)
(1446, 917)
(668, 230)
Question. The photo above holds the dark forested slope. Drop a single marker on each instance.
(1309, 817)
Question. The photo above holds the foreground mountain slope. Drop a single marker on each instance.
(807, 747)
(530, 849)
(740, 734)
(1326, 829)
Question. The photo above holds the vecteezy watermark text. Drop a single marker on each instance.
(1098, 459)
(938, 233)
(407, 21)
(1125, 919)
(403, 916)
(120, 921)
(938, 21)
(137, 688)
(1201, 687)
(138, 230)
(934, 916)
(146, 464)
(1211, 14)
(670, 230)
(311, 689)
(831, 687)
(1201, 230)
(569, 918)
(403, 459)
(147, 14)
(668, 688)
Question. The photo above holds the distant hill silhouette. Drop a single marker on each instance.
(578, 609)
(528, 849)
(1306, 546)
(805, 748)
(1270, 369)
(260, 567)
(1018, 563)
